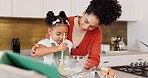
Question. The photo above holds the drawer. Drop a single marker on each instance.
(110, 61)
(137, 58)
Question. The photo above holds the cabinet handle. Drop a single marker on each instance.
(140, 59)
(106, 62)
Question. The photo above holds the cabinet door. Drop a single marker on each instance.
(111, 61)
(129, 10)
(27, 8)
(137, 58)
(57, 5)
(5, 8)
(79, 6)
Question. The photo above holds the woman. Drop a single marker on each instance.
(85, 33)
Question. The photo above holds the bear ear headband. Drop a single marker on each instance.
(58, 21)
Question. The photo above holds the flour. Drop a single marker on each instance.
(69, 71)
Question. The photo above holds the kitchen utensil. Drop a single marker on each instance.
(15, 45)
(61, 67)
(143, 43)
(71, 64)
(84, 74)
(119, 44)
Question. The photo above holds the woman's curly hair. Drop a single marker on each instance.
(107, 11)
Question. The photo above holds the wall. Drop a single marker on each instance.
(29, 31)
(116, 29)
(138, 31)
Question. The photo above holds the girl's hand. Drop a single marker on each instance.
(62, 47)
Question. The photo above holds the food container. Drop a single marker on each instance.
(71, 64)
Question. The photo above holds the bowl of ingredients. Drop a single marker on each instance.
(70, 65)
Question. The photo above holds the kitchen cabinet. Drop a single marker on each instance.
(79, 6)
(129, 10)
(39, 8)
(110, 61)
(137, 58)
(5, 8)
(123, 59)
(27, 8)
(56, 6)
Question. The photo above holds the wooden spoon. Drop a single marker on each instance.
(61, 65)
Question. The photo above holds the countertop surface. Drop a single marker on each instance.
(116, 53)
(111, 53)
(119, 73)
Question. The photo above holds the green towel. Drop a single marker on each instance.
(29, 63)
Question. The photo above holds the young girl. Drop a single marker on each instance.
(57, 42)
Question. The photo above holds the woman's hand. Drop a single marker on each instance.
(87, 64)
(34, 49)
(62, 47)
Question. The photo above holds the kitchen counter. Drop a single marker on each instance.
(28, 53)
(119, 73)
(115, 53)
(110, 53)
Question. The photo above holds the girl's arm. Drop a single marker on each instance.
(43, 50)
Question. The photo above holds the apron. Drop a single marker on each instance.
(58, 54)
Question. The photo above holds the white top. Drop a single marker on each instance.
(48, 43)
(77, 34)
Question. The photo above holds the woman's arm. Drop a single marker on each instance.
(34, 49)
(94, 55)
(37, 45)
